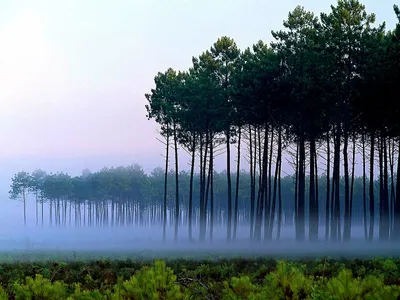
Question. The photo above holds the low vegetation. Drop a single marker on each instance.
(237, 278)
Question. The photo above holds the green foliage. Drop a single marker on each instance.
(40, 288)
(240, 288)
(345, 286)
(157, 282)
(3, 294)
(212, 279)
(287, 282)
(80, 294)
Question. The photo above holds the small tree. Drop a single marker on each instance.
(19, 188)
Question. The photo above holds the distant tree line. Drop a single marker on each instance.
(126, 196)
(323, 92)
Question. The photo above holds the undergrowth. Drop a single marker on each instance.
(189, 279)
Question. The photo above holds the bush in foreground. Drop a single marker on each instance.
(228, 280)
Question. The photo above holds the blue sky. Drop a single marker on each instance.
(73, 74)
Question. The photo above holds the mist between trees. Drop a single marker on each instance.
(323, 92)
(126, 196)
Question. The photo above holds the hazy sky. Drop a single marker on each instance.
(73, 74)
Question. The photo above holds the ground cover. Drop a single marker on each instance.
(212, 278)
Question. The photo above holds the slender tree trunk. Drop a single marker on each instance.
(276, 178)
(381, 189)
(190, 212)
(37, 209)
(296, 190)
(392, 185)
(268, 197)
(300, 236)
(229, 181)
(252, 182)
(203, 169)
(235, 221)
(261, 187)
(353, 159)
(346, 232)
(396, 226)
(211, 191)
(316, 189)
(176, 185)
(313, 207)
(278, 234)
(24, 200)
(371, 189)
(335, 204)
(42, 204)
(165, 190)
(364, 190)
(384, 211)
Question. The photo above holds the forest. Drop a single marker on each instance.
(322, 97)
(127, 196)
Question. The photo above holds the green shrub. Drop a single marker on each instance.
(287, 282)
(80, 294)
(156, 282)
(3, 294)
(40, 288)
(240, 288)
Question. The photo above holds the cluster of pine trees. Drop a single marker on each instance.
(127, 196)
(321, 95)
(323, 92)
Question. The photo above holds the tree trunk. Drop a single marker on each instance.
(296, 189)
(384, 197)
(37, 209)
(228, 177)
(364, 190)
(371, 189)
(276, 179)
(352, 183)
(396, 226)
(235, 221)
(261, 187)
(252, 182)
(392, 185)
(316, 189)
(211, 191)
(24, 200)
(313, 207)
(190, 212)
(335, 205)
(278, 233)
(165, 190)
(268, 197)
(176, 186)
(327, 204)
(346, 231)
(300, 226)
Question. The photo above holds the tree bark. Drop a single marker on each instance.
(313, 207)
(165, 190)
(235, 221)
(371, 189)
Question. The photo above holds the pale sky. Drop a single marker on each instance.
(73, 74)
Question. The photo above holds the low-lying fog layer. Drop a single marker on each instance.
(150, 239)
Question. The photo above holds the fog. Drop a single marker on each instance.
(131, 241)
(147, 242)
